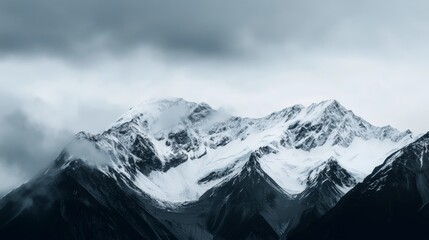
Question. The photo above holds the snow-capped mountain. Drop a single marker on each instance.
(176, 150)
(391, 203)
(172, 169)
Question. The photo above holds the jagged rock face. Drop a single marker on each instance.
(178, 170)
(391, 203)
(326, 185)
(145, 151)
(340, 125)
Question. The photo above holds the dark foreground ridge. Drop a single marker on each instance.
(391, 203)
(78, 202)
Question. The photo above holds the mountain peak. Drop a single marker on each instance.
(168, 112)
(326, 184)
(326, 108)
(331, 170)
(252, 164)
(329, 102)
(163, 104)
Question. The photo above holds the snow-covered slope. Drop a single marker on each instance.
(176, 150)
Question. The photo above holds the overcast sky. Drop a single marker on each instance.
(77, 65)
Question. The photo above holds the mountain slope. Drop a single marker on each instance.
(391, 203)
(77, 202)
(325, 187)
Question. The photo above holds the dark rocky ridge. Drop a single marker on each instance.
(323, 191)
(78, 202)
(391, 203)
(248, 206)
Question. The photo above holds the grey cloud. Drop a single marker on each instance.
(73, 26)
(205, 27)
(26, 148)
(33, 132)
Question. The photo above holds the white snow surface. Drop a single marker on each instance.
(299, 138)
(290, 168)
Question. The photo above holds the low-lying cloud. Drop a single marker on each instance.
(26, 148)
(88, 152)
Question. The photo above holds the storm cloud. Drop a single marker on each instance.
(26, 148)
(212, 28)
(25, 144)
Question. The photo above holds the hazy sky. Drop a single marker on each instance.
(77, 65)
